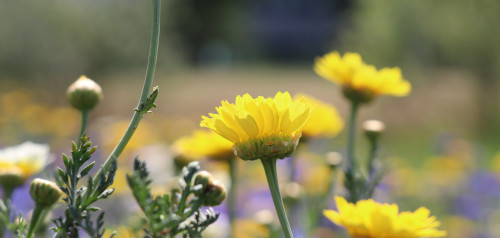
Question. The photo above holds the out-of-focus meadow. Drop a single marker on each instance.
(441, 141)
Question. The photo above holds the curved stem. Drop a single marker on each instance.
(272, 181)
(148, 82)
(83, 128)
(231, 201)
(35, 219)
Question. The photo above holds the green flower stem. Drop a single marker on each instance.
(8, 194)
(352, 135)
(352, 171)
(35, 219)
(184, 197)
(331, 184)
(85, 118)
(148, 83)
(231, 200)
(373, 154)
(272, 181)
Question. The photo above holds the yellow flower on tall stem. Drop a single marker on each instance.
(369, 219)
(361, 82)
(263, 128)
(325, 120)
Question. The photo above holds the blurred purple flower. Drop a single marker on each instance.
(480, 196)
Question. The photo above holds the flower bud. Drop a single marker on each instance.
(213, 191)
(84, 93)
(203, 177)
(44, 192)
(265, 217)
(292, 192)
(275, 147)
(373, 129)
(333, 159)
(11, 177)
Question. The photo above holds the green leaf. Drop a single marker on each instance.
(66, 161)
(106, 193)
(93, 209)
(86, 170)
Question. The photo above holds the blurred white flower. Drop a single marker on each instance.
(29, 158)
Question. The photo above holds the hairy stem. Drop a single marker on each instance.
(148, 82)
(184, 197)
(272, 181)
(83, 128)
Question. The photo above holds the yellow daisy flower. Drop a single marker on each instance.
(261, 128)
(325, 120)
(369, 219)
(203, 144)
(361, 82)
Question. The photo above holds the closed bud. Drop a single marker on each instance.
(265, 217)
(203, 178)
(11, 177)
(292, 192)
(333, 159)
(44, 192)
(84, 93)
(373, 129)
(213, 192)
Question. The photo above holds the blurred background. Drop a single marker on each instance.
(442, 141)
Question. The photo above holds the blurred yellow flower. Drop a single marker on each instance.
(245, 228)
(460, 227)
(111, 133)
(325, 120)
(496, 163)
(122, 232)
(318, 180)
(202, 144)
(261, 128)
(360, 81)
(23, 113)
(446, 171)
(28, 158)
(369, 219)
